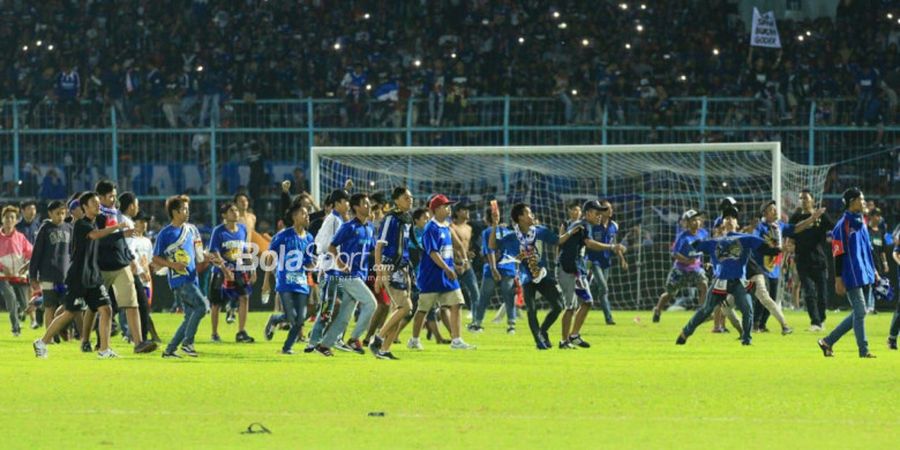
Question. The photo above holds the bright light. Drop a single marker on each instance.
(574, 91)
(724, 184)
(562, 26)
(337, 45)
(800, 38)
(366, 16)
(808, 33)
(585, 42)
(890, 16)
(683, 78)
(24, 48)
(368, 87)
(199, 68)
(40, 43)
(485, 22)
(623, 6)
(556, 15)
(628, 46)
(716, 51)
(639, 28)
(521, 40)
(453, 55)
(898, 20)
(50, 47)
(371, 183)
(667, 56)
(417, 63)
(643, 6)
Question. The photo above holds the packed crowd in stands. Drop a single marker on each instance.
(178, 63)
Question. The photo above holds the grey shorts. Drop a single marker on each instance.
(678, 280)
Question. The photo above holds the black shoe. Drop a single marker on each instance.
(826, 349)
(745, 342)
(85, 347)
(356, 346)
(375, 345)
(309, 349)
(566, 345)
(385, 355)
(243, 337)
(270, 328)
(189, 350)
(682, 339)
(546, 339)
(610, 322)
(892, 344)
(324, 351)
(577, 340)
(145, 347)
(656, 314)
(170, 355)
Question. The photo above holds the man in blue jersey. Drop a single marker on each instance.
(687, 270)
(292, 246)
(854, 271)
(730, 252)
(499, 272)
(349, 249)
(573, 274)
(765, 283)
(393, 270)
(229, 241)
(329, 293)
(534, 242)
(437, 279)
(605, 233)
(176, 249)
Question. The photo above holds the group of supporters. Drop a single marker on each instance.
(387, 264)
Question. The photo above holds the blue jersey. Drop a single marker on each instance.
(294, 255)
(850, 238)
(230, 245)
(605, 234)
(537, 241)
(773, 234)
(730, 254)
(394, 235)
(356, 241)
(436, 238)
(571, 255)
(176, 244)
(683, 247)
(506, 251)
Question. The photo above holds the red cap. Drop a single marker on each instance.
(439, 200)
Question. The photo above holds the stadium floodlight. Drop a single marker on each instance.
(650, 187)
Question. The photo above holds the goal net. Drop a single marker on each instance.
(649, 186)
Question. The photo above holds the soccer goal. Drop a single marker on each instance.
(650, 186)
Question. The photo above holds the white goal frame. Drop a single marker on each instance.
(316, 152)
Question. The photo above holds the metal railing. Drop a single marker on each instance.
(157, 149)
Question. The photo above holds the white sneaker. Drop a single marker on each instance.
(108, 354)
(414, 344)
(814, 328)
(40, 349)
(459, 344)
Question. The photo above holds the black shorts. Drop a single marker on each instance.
(215, 289)
(52, 299)
(93, 298)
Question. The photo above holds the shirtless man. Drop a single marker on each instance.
(461, 232)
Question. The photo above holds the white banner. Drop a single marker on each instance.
(764, 32)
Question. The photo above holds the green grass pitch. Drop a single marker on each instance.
(633, 389)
